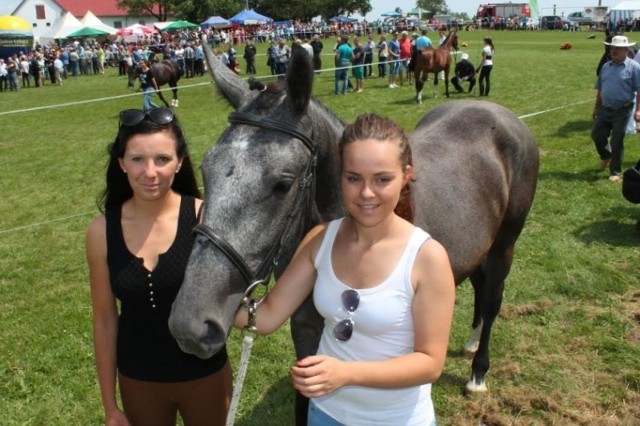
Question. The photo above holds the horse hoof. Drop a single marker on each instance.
(476, 388)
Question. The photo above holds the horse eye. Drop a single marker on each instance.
(283, 186)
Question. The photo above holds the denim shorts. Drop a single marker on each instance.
(317, 417)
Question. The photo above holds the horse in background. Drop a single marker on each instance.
(164, 72)
(434, 61)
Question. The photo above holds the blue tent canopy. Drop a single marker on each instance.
(342, 20)
(250, 17)
(215, 22)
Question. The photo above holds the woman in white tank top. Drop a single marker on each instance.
(384, 287)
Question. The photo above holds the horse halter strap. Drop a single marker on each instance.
(303, 199)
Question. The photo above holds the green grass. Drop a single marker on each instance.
(565, 350)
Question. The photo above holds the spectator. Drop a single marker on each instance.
(617, 86)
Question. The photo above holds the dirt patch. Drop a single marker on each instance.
(631, 305)
(514, 311)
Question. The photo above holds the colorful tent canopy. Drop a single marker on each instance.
(180, 25)
(250, 17)
(87, 32)
(215, 22)
(91, 20)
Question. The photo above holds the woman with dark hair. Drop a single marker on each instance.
(486, 65)
(383, 286)
(137, 253)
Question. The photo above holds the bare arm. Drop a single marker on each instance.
(105, 320)
(432, 310)
(292, 288)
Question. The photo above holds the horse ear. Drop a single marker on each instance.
(300, 79)
(233, 88)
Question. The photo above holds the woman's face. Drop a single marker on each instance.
(151, 162)
(372, 178)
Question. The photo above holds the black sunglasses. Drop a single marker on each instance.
(344, 329)
(133, 117)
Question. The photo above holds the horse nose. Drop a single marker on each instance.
(202, 340)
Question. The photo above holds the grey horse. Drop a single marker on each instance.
(274, 173)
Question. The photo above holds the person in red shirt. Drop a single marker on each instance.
(405, 55)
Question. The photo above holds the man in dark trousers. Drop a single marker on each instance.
(317, 46)
(465, 71)
(250, 56)
(617, 96)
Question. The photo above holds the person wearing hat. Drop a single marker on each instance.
(485, 68)
(617, 85)
(465, 71)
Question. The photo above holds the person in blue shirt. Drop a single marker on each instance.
(617, 85)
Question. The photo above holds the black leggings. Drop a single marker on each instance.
(200, 402)
(485, 80)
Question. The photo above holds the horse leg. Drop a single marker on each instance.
(174, 89)
(446, 83)
(419, 87)
(488, 284)
(306, 329)
(435, 84)
(159, 92)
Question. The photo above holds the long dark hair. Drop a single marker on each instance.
(373, 126)
(118, 190)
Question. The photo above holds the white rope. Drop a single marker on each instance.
(247, 345)
(5, 231)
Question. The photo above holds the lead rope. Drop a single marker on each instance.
(247, 344)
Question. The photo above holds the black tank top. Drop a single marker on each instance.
(145, 348)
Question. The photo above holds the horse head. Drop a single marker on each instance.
(260, 198)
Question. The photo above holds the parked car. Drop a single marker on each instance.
(551, 23)
(580, 18)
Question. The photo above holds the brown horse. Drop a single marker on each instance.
(164, 72)
(433, 61)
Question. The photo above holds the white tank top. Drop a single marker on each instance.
(383, 329)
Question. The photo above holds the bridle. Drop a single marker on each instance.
(304, 200)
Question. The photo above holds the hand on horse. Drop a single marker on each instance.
(318, 375)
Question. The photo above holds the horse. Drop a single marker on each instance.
(164, 72)
(434, 61)
(275, 172)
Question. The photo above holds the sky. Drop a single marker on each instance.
(545, 7)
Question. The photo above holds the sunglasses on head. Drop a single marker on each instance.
(133, 117)
(344, 329)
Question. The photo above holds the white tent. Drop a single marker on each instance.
(65, 26)
(91, 20)
(625, 10)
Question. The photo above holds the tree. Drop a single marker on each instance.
(160, 9)
(199, 10)
(435, 7)
(305, 10)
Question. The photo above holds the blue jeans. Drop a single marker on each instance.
(148, 103)
(317, 417)
(342, 75)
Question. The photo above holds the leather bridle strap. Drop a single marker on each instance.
(304, 198)
(271, 124)
(225, 248)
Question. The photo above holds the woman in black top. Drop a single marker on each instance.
(137, 254)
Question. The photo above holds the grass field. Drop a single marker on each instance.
(565, 349)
